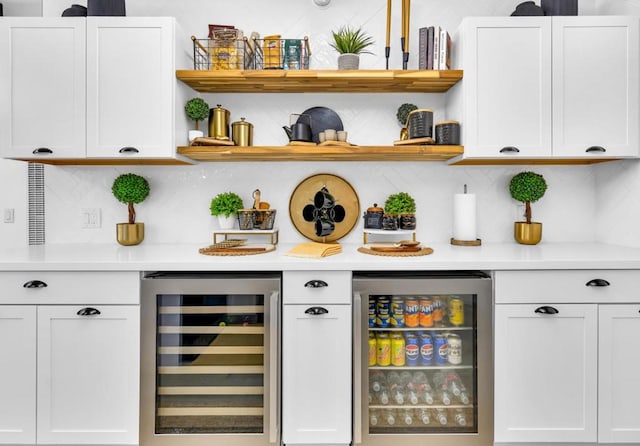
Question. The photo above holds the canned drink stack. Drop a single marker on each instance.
(383, 349)
(456, 311)
(411, 312)
(383, 307)
(397, 312)
(426, 312)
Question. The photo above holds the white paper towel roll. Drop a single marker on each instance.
(464, 217)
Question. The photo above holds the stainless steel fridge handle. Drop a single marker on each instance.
(274, 355)
(357, 368)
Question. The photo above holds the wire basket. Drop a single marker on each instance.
(220, 53)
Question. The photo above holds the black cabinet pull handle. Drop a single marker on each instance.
(546, 310)
(316, 311)
(88, 311)
(42, 151)
(316, 284)
(597, 282)
(129, 150)
(35, 284)
(509, 149)
(594, 149)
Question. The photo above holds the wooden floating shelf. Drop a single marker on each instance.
(320, 81)
(321, 153)
(528, 161)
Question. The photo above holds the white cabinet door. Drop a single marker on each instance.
(42, 93)
(316, 374)
(17, 374)
(130, 87)
(619, 379)
(546, 373)
(507, 87)
(88, 374)
(595, 86)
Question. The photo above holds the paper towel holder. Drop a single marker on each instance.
(476, 242)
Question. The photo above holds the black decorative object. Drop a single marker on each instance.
(105, 8)
(324, 212)
(560, 7)
(1, 13)
(75, 11)
(322, 118)
(373, 217)
(527, 9)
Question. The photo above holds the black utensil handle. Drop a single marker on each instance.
(546, 310)
(316, 284)
(42, 151)
(316, 311)
(598, 282)
(129, 150)
(35, 284)
(598, 149)
(509, 149)
(88, 311)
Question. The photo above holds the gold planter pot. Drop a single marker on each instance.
(527, 233)
(130, 234)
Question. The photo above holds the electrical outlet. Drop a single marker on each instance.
(91, 218)
(9, 215)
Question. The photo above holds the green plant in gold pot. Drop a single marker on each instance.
(130, 189)
(350, 43)
(527, 187)
(225, 206)
(402, 207)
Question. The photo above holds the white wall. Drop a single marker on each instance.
(13, 195)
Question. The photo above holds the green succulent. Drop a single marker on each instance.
(130, 188)
(527, 187)
(226, 203)
(400, 203)
(197, 109)
(403, 113)
(351, 40)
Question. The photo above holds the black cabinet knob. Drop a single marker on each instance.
(596, 149)
(316, 311)
(42, 151)
(126, 150)
(509, 149)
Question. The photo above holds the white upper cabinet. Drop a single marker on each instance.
(42, 93)
(130, 87)
(547, 87)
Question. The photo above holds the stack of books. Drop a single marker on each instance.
(435, 48)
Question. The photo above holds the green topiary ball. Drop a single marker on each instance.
(403, 113)
(527, 186)
(130, 188)
(197, 109)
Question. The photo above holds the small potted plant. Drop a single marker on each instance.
(400, 207)
(225, 207)
(527, 187)
(350, 43)
(130, 189)
(197, 110)
(403, 114)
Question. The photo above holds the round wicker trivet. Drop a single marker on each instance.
(422, 252)
(239, 251)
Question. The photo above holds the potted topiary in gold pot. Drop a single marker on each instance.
(527, 187)
(350, 43)
(130, 189)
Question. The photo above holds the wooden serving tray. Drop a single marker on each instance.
(204, 141)
(395, 248)
(236, 251)
(413, 142)
(336, 143)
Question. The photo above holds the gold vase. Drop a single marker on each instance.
(130, 234)
(527, 233)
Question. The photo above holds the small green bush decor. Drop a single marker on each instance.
(403, 113)
(226, 203)
(400, 203)
(349, 40)
(527, 187)
(130, 188)
(197, 109)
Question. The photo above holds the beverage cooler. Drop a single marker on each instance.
(423, 359)
(210, 359)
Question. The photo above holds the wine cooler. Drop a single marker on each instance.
(210, 359)
(423, 358)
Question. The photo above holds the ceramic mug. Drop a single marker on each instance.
(342, 135)
(324, 226)
(323, 199)
(330, 134)
(321, 137)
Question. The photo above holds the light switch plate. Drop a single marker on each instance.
(9, 215)
(91, 218)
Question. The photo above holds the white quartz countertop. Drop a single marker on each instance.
(185, 257)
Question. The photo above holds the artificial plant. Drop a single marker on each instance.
(527, 187)
(130, 189)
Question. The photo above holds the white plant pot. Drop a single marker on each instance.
(193, 134)
(225, 222)
(348, 61)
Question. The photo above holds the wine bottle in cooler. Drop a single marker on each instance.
(377, 380)
(409, 387)
(390, 417)
(422, 387)
(459, 417)
(407, 417)
(442, 389)
(374, 417)
(424, 415)
(441, 416)
(396, 389)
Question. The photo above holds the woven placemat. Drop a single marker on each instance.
(422, 252)
(237, 251)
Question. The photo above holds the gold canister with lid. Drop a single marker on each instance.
(242, 133)
(219, 123)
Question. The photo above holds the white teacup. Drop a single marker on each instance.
(342, 135)
(321, 137)
(330, 134)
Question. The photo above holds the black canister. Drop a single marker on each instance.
(559, 7)
(448, 133)
(373, 217)
(420, 123)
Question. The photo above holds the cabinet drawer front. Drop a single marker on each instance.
(48, 287)
(310, 287)
(589, 286)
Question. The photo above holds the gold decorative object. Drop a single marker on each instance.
(129, 234)
(527, 233)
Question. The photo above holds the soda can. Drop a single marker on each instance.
(383, 305)
(426, 312)
(454, 349)
(426, 349)
(397, 312)
(372, 312)
(456, 311)
(372, 349)
(438, 310)
(397, 350)
(440, 349)
(383, 349)
(412, 350)
(411, 312)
